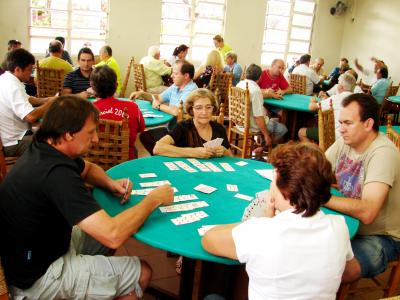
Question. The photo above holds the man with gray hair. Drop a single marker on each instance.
(55, 61)
(154, 69)
(271, 130)
(233, 67)
(345, 88)
(107, 59)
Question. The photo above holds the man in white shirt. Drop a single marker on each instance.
(368, 76)
(154, 69)
(17, 113)
(312, 79)
(258, 118)
(301, 252)
(345, 88)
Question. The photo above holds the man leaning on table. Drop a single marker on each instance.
(57, 235)
(272, 82)
(18, 110)
(168, 101)
(367, 169)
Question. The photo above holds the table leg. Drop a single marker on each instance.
(191, 281)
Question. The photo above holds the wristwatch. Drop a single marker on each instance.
(159, 106)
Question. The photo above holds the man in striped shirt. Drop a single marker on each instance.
(77, 81)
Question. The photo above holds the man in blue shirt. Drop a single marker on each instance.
(380, 87)
(168, 101)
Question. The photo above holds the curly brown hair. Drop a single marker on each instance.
(304, 176)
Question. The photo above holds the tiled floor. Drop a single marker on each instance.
(165, 277)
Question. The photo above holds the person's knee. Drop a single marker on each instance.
(145, 274)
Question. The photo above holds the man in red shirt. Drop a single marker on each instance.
(104, 83)
(272, 82)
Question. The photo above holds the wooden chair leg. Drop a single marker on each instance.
(393, 282)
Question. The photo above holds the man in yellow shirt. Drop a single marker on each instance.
(54, 61)
(107, 59)
(221, 46)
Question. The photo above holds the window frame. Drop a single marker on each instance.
(192, 33)
(69, 27)
(286, 54)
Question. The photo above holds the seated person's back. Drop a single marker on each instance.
(104, 82)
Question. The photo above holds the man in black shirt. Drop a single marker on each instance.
(78, 81)
(44, 196)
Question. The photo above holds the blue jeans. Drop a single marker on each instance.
(374, 252)
(277, 129)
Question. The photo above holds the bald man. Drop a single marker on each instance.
(272, 82)
(55, 61)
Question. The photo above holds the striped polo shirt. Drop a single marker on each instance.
(76, 81)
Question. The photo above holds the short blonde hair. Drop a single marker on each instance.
(214, 59)
(197, 94)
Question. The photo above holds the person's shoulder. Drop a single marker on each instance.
(191, 86)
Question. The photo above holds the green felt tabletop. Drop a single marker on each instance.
(145, 107)
(394, 99)
(291, 101)
(158, 230)
(384, 128)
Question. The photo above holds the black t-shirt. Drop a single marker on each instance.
(185, 134)
(41, 198)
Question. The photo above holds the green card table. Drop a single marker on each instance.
(158, 231)
(383, 129)
(292, 104)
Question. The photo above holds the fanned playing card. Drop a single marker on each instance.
(257, 207)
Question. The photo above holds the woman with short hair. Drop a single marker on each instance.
(188, 137)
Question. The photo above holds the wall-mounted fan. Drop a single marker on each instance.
(339, 9)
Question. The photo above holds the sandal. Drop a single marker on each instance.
(178, 266)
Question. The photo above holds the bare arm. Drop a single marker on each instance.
(260, 121)
(38, 112)
(365, 209)
(199, 71)
(114, 231)
(358, 66)
(287, 91)
(219, 241)
(313, 105)
(67, 91)
(169, 109)
(165, 146)
(142, 95)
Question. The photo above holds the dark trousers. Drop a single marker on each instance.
(150, 137)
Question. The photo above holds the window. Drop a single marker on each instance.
(83, 23)
(288, 28)
(193, 23)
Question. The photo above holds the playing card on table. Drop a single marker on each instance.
(144, 192)
(244, 197)
(266, 173)
(150, 115)
(148, 175)
(199, 165)
(180, 198)
(205, 188)
(212, 167)
(197, 214)
(171, 166)
(183, 206)
(241, 163)
(227, 167)
(185, 166)
(154, 183)
(232, 187)
(203, 229)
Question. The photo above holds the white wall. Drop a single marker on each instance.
(374, 32)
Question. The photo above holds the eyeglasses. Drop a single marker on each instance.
(200, 107)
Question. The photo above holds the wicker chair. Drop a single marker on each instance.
(139, 78)
(49, 81)
(113, 146)
(366, 88)
(298, 83)
(3, 285)
(387, 107)
(243, 77)
(392, 134)
(221, 82)
(126, 79)
(326, 127)
(239, 116)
